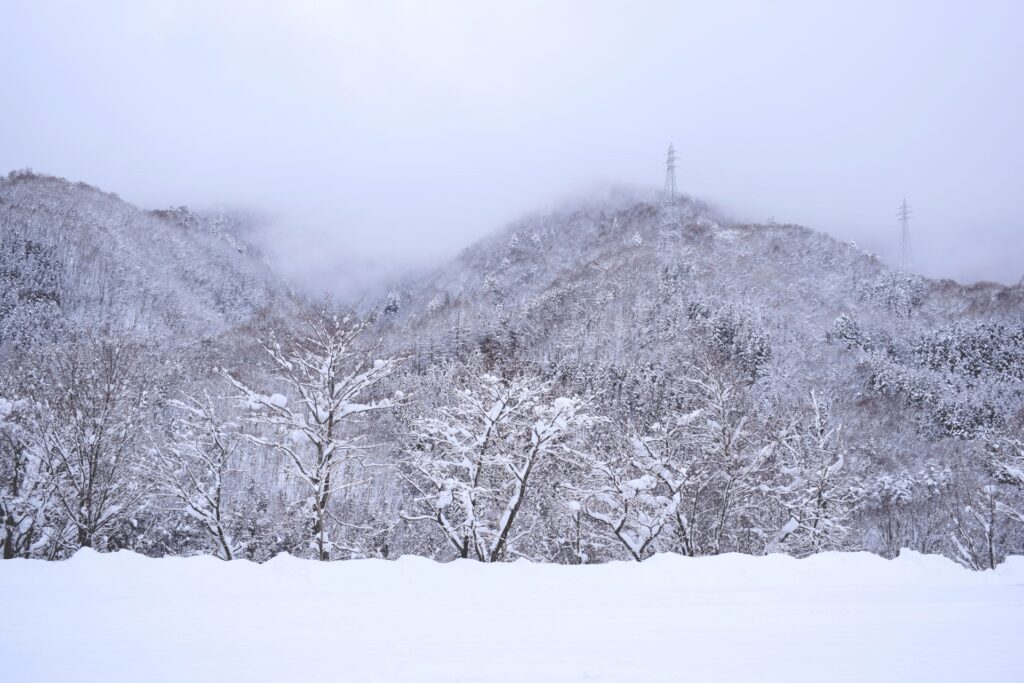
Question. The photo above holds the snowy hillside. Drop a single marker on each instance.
(631, 300)
(629, 288)
(836, 617)
(615, 379)
(74, 259)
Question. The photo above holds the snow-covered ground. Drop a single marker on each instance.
(833, 617)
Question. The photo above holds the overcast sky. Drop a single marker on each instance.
(402, 131)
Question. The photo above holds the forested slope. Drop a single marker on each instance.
(74, 257)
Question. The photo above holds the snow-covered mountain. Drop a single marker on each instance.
(75, 257)
(614, 296)
(767, 357)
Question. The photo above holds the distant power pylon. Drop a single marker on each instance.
(904, 217)
(670, 175)
(669, 208)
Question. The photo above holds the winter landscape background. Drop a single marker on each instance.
(368, 341)
(605, 382)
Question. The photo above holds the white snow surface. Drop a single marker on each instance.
(831, 617)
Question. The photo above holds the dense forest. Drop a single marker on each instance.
(624, 378)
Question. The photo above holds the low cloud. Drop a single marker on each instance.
(390, 135)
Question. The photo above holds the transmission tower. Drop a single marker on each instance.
(670, 175)
(669, 208)
(904, 217)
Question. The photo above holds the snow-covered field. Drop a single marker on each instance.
(849, 617)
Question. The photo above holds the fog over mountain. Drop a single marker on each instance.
(375, 137)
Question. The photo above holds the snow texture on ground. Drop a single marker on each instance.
(832, 617)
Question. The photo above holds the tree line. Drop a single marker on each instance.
(332, 447)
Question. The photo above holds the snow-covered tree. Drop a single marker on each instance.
(697, 482)
(738, 456)
(625, 500)
(671, 452)
(847, 331)
(29, 293)
(1006, 462)
(327, 378)
(733, 333)
(193, 465)
(899, 293)
(988, 516)
(25, 491)
(88, 406)
(815, 493)
(977, 526)
(908, 510)
(474, 463)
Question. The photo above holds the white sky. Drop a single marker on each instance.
(402, 131)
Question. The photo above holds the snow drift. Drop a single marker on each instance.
(834, 616)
